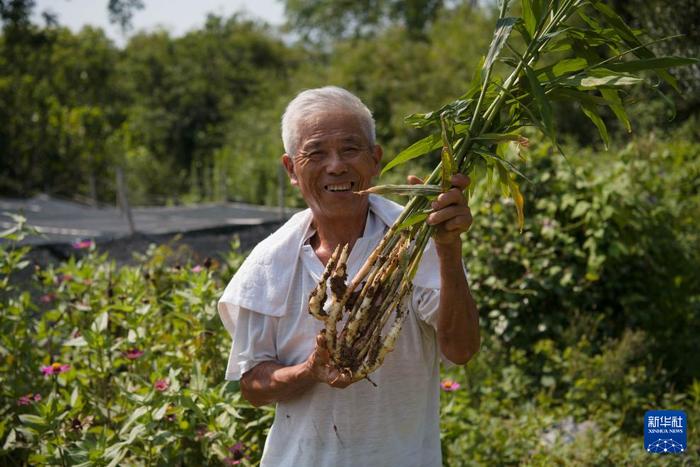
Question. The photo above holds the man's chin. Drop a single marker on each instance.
(341, 206)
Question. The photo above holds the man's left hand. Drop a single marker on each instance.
(451, 214)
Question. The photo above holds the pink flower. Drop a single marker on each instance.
(28, 399)
(449, 385)
(25, 400)
(237, 454)
(81, 245)
(47, 298)
(161, 384)
(54, 369)
(133, 353)
(65, 278)
(197, 268)
(87, 281)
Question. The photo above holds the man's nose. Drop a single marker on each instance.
(335, 162)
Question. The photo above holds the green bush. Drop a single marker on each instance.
(144, 353)
(610, 243)
(588, 317)
(585, 408)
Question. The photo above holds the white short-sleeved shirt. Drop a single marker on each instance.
(395, 423)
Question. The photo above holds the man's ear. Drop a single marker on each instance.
(377, 153)
(288, 164)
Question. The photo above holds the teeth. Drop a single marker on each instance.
(339, 186)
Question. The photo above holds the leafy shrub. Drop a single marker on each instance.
(586, 408)
(610, 243)
(139, 354)
(588, 316)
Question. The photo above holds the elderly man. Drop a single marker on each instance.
(322, 417)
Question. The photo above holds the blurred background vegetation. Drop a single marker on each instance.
(196, 117)
(590, 315)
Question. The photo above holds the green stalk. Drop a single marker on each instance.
(391, 288)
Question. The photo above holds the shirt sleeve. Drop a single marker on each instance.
(425, 303)
(253, 342)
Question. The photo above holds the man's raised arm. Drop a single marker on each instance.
(458, 318)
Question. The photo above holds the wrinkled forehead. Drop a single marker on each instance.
(332, 127)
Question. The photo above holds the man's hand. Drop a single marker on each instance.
(451, 214)
(321, 367)
(270, 382)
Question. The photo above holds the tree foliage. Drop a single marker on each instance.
(183, 115)
(321, 20)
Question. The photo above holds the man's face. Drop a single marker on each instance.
(334, 159)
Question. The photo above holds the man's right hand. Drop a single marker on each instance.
(319, 364)
(270, 382)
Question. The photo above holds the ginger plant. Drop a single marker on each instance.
(574, 50)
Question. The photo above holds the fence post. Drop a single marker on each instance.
(123, 200)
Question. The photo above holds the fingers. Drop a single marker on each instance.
(323, 368)
(455, 195)
(452, 197)
(452, 218)
(319, 357)
(340, 379)
(413, 180)
(451, 211)
(460, 181)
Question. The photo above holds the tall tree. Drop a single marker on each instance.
(320, 20)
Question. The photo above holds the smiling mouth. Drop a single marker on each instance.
(340, 187)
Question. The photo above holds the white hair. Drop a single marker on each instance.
(314, 101)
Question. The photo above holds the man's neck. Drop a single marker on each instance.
(336, 231)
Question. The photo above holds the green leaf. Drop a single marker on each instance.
(74, 396)
(580, 209)
(10, 441)
(414, 219)
(515, 193)
(115, 451)
(651, 64)
(592, 113)
(562, 67)
(573, 94)
(504, 26)
(137, 431)
(404, 190)
(529, 17)
(76, 342)
(118, 458)
(488, 155)
(631, 40)
(135, 415)
(592, 82)
(447, 157)
(542, 102)
(160, 412)
(101, 322)
(417, 149)
(612, 98)
(32, 420)
(498, 137)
